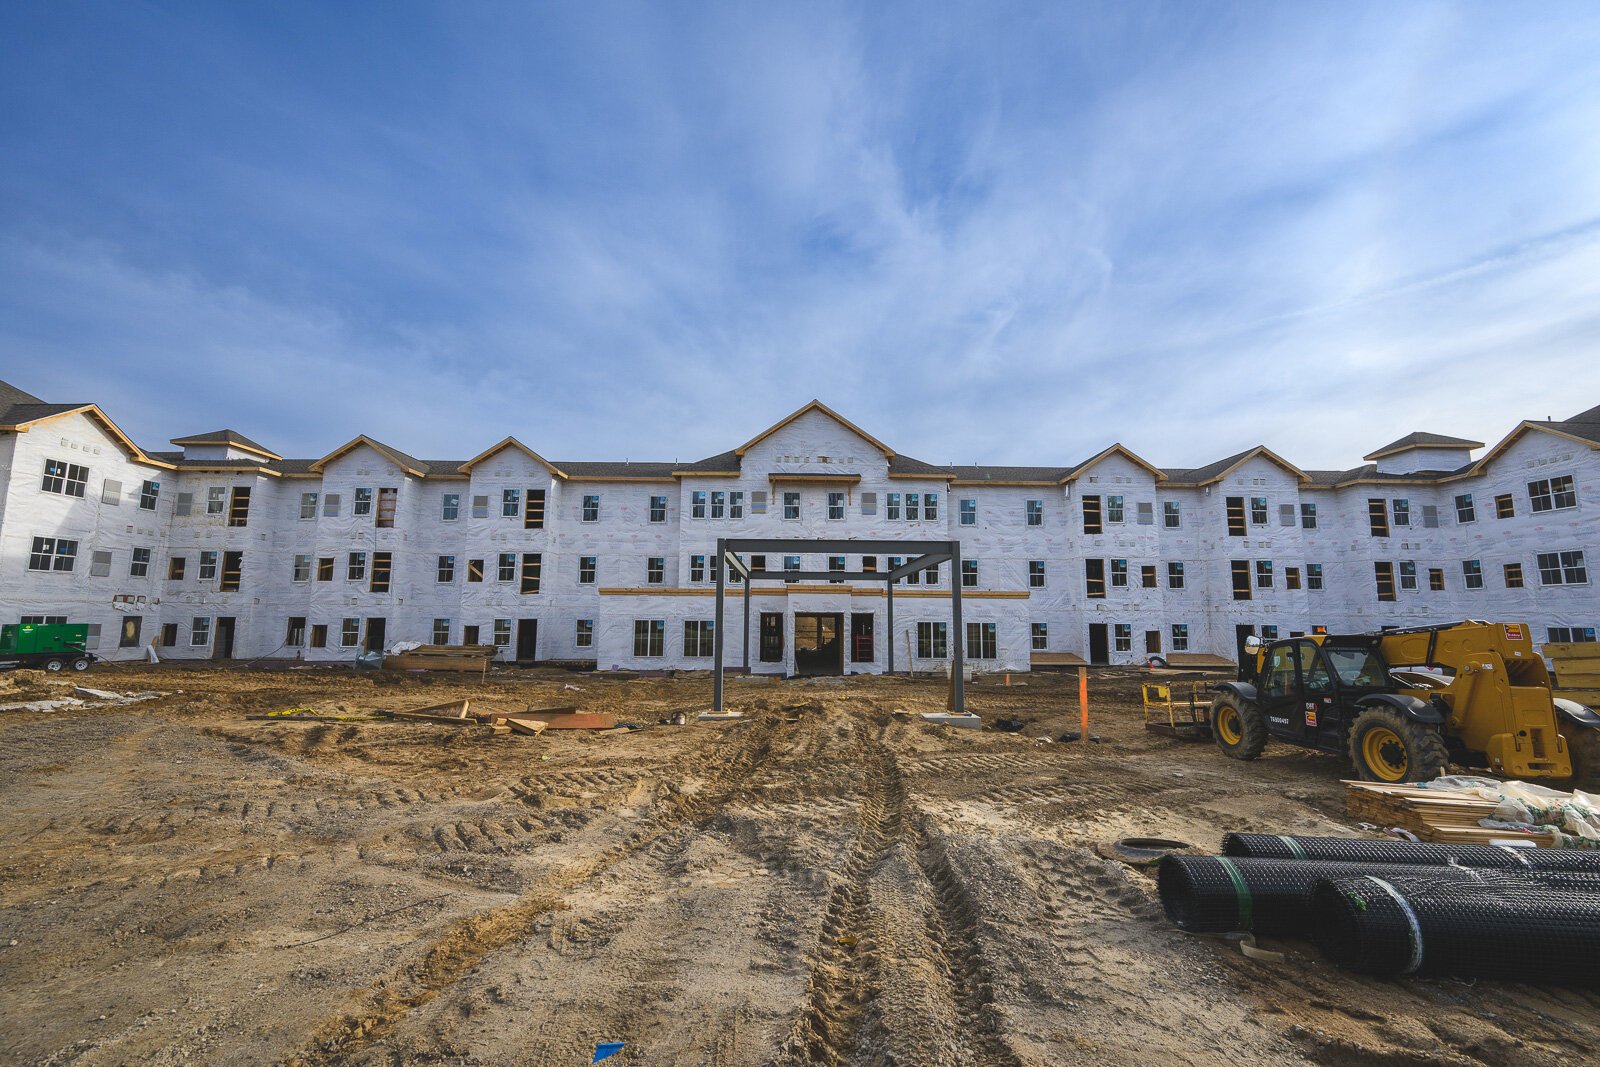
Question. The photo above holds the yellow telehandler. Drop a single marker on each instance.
(1404, 703)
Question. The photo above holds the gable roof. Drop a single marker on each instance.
(1119, 450)
(1215, 472)
(1421, 440)
(10, 396)
(23, 416)
(409, 464)
(1584, 428)
(505, 443)
(815, 405)
(230, 438)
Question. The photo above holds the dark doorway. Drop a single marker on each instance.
(375, 635)
(861, 649)
(469, 635)
(131, 626)
(222, 646)
(1152, 641)
(169, 635)
(1099, 643)
(771, 637)
(818, 644)
(527, 640)
(1239, 634)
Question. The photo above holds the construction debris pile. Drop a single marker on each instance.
(1393, 908)
(1466, 810)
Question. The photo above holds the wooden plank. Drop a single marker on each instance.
(1590, 697)
(1586, 650)
(530, 727)
(1057, 659)
(1572, 678)
(574, 720)
(454, 708)
(450, 720)
(1196, 659)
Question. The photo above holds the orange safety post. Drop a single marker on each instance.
(1083, 703)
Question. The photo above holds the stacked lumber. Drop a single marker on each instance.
(1446, 816)
(1577, 668)
(442, 658)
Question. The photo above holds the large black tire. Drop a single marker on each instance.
(1583, 746)
(1238, 726)
(1385, 746)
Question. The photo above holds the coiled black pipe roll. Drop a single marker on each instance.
(1221, 894)
(1415, 924)
(1351, 850)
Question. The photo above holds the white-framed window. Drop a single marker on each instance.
(836, 565)
(1263, 574)
(216, 499)
(658, 509)
(649, 637)
(699, 636)
(1036, 574)
(583, 633)
(1472, 573)
(200, 630)
(308, 505)
(446, 572)
(1571, 635)
(586, 570)
(506, 567)
(53, 554)
(449, 507)
(68, 479)
(1563, 568)
(441, 631)
(1552, 494)
(1034, 509)
(511, 503)
(719, 503)
(981, 642)
(1114, 509)
(1123, 635)
(930, 506)
(891, 506)
(1040, 632)
(1308, 516)
(302, 567)
(697, 568)
(1180, 637)
(363, 502)
(1400, 512)
(736, 503)
(835, 506)
(139, 563)
(655, 570)
(591, 507)
(1174, 575)
(331, 503)
(1408, 574)
(969, 512)
(1466, 511)
(969, 574)
(1258, 511)
(933, 640)
(791, 505)
(149, 492)
(1119, 574)
(913, 507)
(349, 633)
(355, 567)
(208, 565)
(1171, 514)
(697, 504)
(791, 563)
(502, 633)
(1314, 576)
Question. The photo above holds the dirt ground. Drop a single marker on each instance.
(821, 882)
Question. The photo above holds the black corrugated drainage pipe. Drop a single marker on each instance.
(1350, 850)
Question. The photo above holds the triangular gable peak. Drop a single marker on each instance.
(1116, 450)
(510, 442)
(19, 419)
(819, 406)
(1263, 452)
(399, 459)
(1516, 435)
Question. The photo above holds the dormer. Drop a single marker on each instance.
(223, 444)
(1423, 452)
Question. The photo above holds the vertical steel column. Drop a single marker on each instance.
(717, 643)
(958, 680)
(746, 623)
(889, 585)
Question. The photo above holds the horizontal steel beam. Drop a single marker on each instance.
(921, 563)
(834, 546)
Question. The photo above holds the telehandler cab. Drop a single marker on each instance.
(1405, 703)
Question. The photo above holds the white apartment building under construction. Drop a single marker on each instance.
(221, 548)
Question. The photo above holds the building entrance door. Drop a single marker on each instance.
(527, 640)
(819, 644)
(222, 645)
(1099, 643)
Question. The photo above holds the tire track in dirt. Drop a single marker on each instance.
(850, 1000)
(730, 769)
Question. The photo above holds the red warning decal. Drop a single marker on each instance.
(1513, 632)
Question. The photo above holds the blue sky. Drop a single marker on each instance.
(985, 232)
